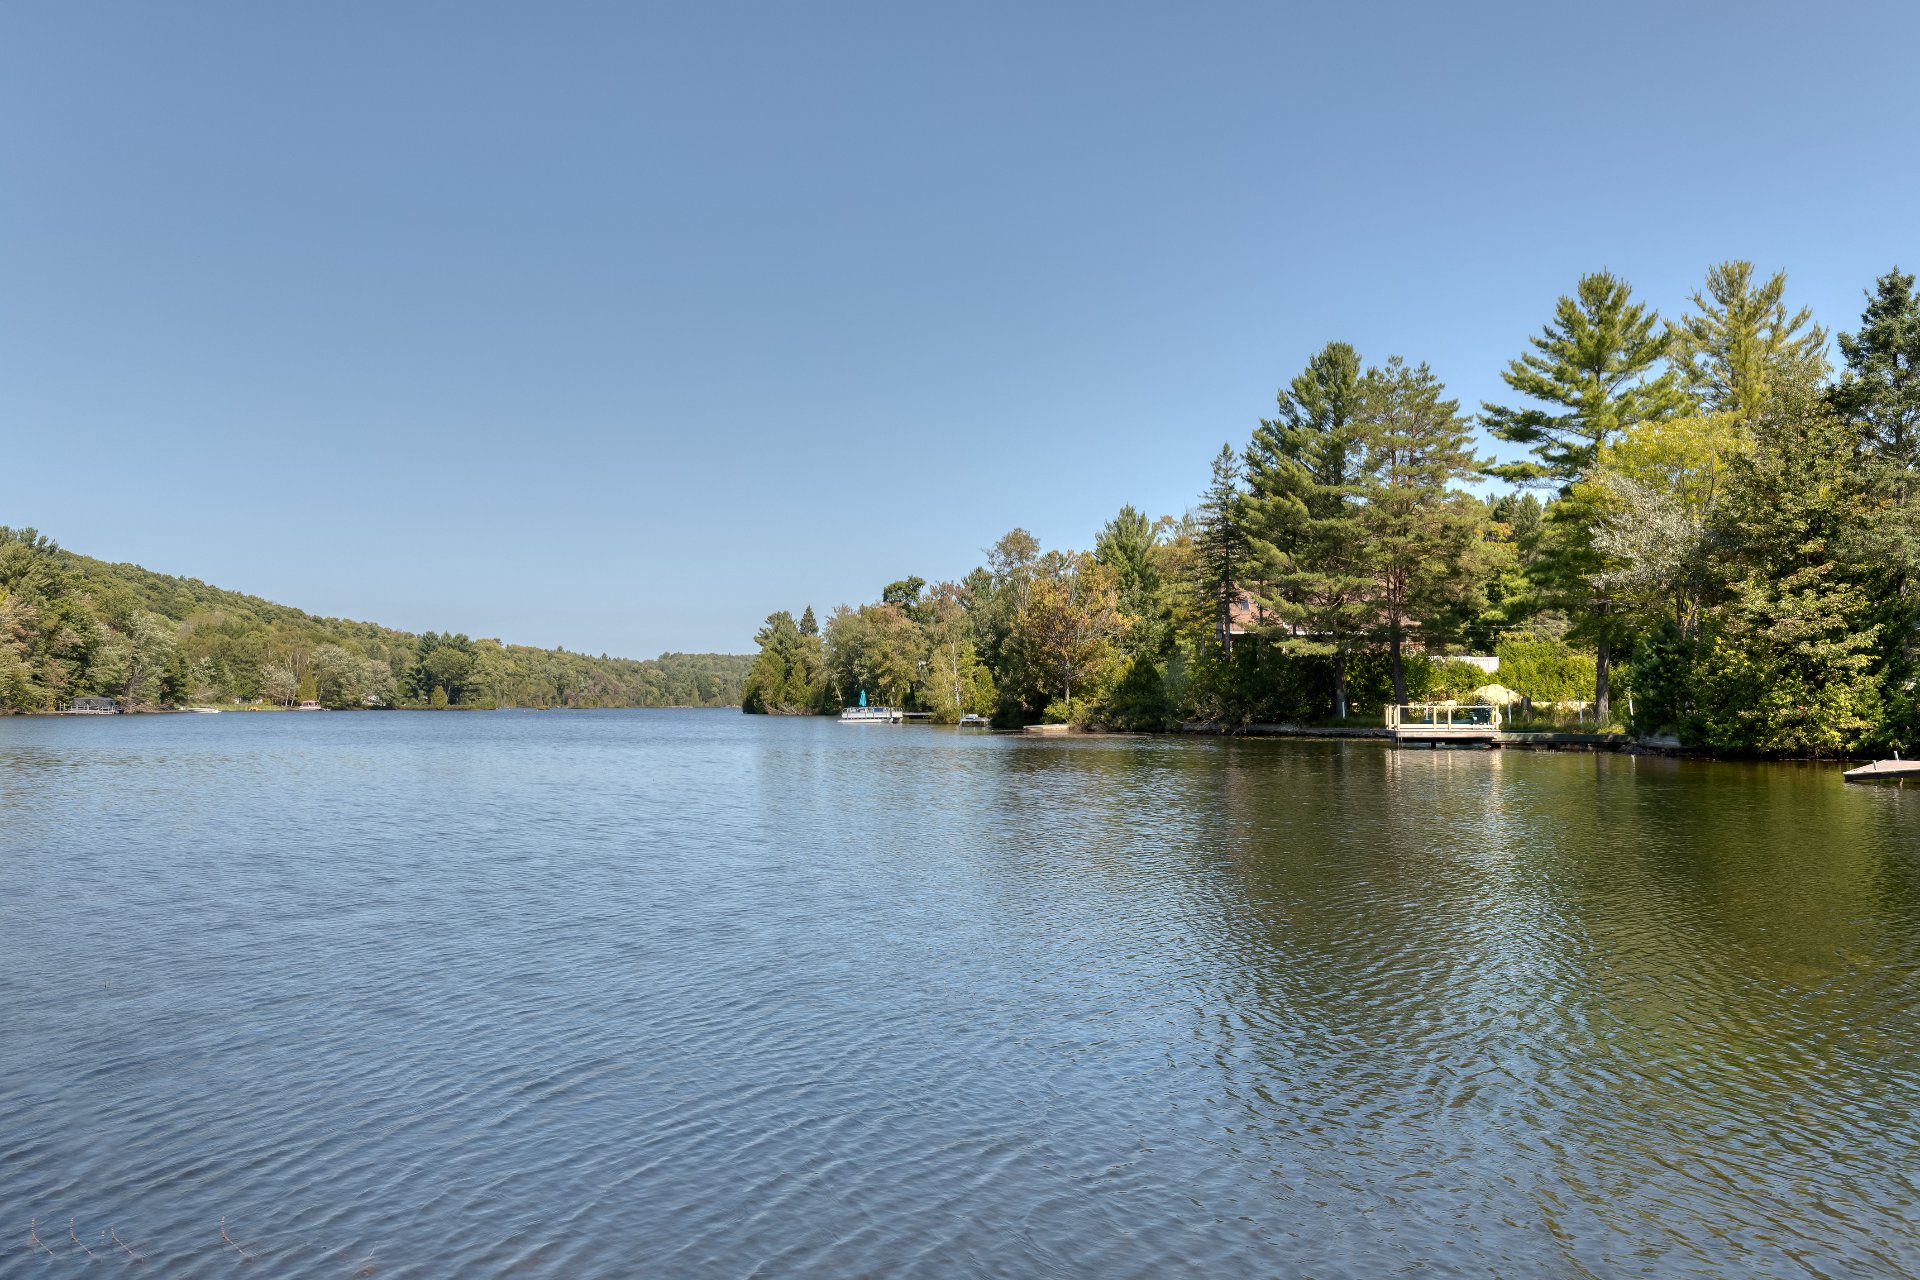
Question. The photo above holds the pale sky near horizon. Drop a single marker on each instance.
(618, 327)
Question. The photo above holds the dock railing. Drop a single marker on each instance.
(1441, 717)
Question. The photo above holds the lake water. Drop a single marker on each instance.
(693, 993)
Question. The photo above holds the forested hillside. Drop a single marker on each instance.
(1715, 534)
(73, 626)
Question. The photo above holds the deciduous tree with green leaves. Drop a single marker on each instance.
(1069, 630)
(876, 649)
(957, 683)
(1656, 492)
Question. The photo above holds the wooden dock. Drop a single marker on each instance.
(1435, 723)
(1884, 770)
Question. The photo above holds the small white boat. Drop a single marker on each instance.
(972, 721)
(204, 711)
(869, 715)
(309, 705)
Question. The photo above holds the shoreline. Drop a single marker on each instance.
(1529, 740)
(1525, 741)
(186, 711)
(1595, 743)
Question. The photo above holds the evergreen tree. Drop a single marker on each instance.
(1307, 452)
(767, 688)
(1221, 543)
(1421, 533)
(1128, 545)
(1880, 387)
(1593, 368)
(1309, 566)
(1521, 513)
(1741, 346)
(809, 626)
(1125, 545)
(1590, 374)
(1789, 662)
(1879, 393)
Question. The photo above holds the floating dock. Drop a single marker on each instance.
(881, 715)
(1879, 769)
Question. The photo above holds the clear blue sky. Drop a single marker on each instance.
(618, 326)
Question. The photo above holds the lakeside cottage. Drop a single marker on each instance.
(1246, 617)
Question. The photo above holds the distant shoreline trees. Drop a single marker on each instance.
(1709, 526)
(73, 627)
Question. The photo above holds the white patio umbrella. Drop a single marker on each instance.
(1494, 695)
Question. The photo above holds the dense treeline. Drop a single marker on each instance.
(71, 626)
(1716, 534)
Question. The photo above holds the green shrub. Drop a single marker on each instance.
(1546, 670)
(1139, 699)
(1370, 679)
(1455, 679)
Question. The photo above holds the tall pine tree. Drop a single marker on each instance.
(1421, 533)
(1592, 375)
(1309, 564)
(1879, 390)
(1879, 394)
(1741, 345)
(1128, 545)
(1221, 545)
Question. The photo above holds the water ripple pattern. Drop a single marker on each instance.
(698, 994)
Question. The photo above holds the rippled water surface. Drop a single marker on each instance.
(686, 993)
